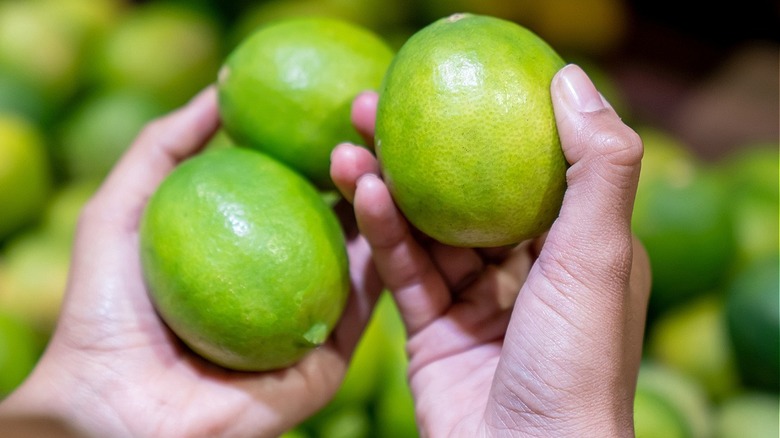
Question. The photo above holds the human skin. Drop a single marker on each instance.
(540, 339)
(112, 367)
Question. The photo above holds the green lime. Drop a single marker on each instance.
(64, 207)
(655, 417)
(100, 128)
(39, 46)
(19, 351)
(693, 339)
(167, 50)
(754, 194)
(466, 135)
(753, 315)
(25, 175)
(244, 260)
(287, 89)
(682, 216)
(678, 393)
(751, 414)
(33, 277)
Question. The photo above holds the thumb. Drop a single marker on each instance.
(574, 340)
(605, 156)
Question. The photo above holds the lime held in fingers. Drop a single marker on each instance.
(466, 135)
(243, 259)
(287, 89)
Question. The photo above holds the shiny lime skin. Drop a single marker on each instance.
(287, 89)
(244, 260)
(466, 135)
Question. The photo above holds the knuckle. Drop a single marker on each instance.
(619, 145)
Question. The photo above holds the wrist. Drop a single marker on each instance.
(53, 401)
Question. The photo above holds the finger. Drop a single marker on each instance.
(348, 163)
(161, 145)
(458, 266)
(593, 231)
(500, 283)
(577, 321)
(404, 266)
(364, 115)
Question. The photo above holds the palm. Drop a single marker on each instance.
(536, 340)
(122, 359)
(192, 395)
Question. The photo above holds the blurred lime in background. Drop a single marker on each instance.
(97, 131)
(753, 317)
(19, 351)
(693, 339)
(750, 414)
(670, 402)
(25, 178)
(168, 51)
(681, 215)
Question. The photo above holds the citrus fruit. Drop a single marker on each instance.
(466, 135)
(244, 261)
(19, 96)
(656, 417)
(33, 277)
(678, 393)
(167, 50)
(693, 339)
(753, 174)
(96, 132)
(288, 88)
(377, 15)
(38, 46)
(19, 351)
(753, 317)
(752, 414)
(25, 178)
(681, 215)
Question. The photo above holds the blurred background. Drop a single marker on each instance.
(79, 78)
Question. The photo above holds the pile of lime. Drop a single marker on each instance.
(79, 78)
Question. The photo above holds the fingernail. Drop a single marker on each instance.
(579, 90)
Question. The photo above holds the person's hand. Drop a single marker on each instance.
(113, 368)
(541, 339)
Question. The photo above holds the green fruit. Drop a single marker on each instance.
(678, 393)
(244, 261)
(64, 208)
(99, 130)
(39, 46)
(754, 194)
(169, 51)
(466, 135)
(25, 179)
(749, 415)
(287, 90)
(19, 351)
(693, 339)
(753, 315)
(681, 215)
(655, 417)
(34, 276)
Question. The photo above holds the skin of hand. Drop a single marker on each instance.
(112, 367)
(539, 339)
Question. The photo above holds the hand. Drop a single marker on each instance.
(540, 339)
(114, 369)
